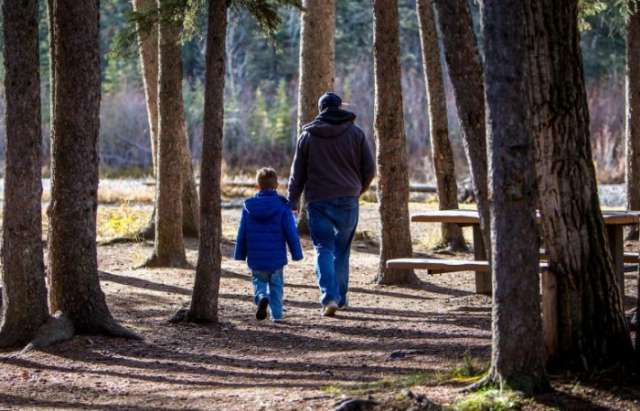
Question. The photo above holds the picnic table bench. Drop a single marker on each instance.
(614, 223)
(438, 266)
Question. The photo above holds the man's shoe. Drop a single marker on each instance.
(344, 305)
(261, 312)
(329, 310)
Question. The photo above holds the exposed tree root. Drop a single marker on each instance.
(408, 279)
(127, 239)
(527, 384)
(10, 339)
(166, 262)
(16, 332)
(480, 384)
(183, 315)
(452, 247)
(112, 328)
(57, 329)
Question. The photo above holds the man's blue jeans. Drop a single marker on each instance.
(269, 285)
(332, 224)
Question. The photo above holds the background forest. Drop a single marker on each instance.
(261, 89)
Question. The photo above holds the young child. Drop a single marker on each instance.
(266, 227)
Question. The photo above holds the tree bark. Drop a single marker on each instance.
(148, 50)
(169, 241)
(52, 80)
(592, 329)
(190, 209)
(73, 266)
(393, 180)
(441, 152)
(637, 315)
(204, 301)
(317, 66)
(317, 56)
(518, 350)
(465, 70)
(24, 293)
(632, 119)
(148, 47)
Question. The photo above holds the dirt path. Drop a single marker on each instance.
(389, 339)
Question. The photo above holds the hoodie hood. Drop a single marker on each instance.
(332, 122)
(265, 205)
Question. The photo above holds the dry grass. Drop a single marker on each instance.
(117, 192)
(121, 221)
(117, 195)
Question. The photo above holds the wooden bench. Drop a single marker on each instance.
(614, 222)
(438, 266)
(631, 260)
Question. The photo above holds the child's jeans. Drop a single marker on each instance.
(269, 285)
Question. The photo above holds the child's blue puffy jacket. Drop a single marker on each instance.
(266, 227)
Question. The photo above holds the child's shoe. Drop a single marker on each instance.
(261, 312)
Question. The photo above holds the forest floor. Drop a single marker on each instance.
(393, 344)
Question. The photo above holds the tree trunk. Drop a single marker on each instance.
(148, 46)
(73, 266)
(393, 180)
(637, 315)
(317, 66)
(204, 301)
(52, 80)
(148, 50)
(632, 120)
(465, 70)
(190, 209)
(169, 241)
(518, 350)
(441, 152)
(24, 293)
(592, 329)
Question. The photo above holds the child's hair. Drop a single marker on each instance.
(267, 178)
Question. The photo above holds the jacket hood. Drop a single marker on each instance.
(265, 205)
(330, 123)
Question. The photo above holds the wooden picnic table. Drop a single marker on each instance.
(614, 222)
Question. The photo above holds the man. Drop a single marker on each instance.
(333, 165)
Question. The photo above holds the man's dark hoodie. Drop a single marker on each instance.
(332, 159)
